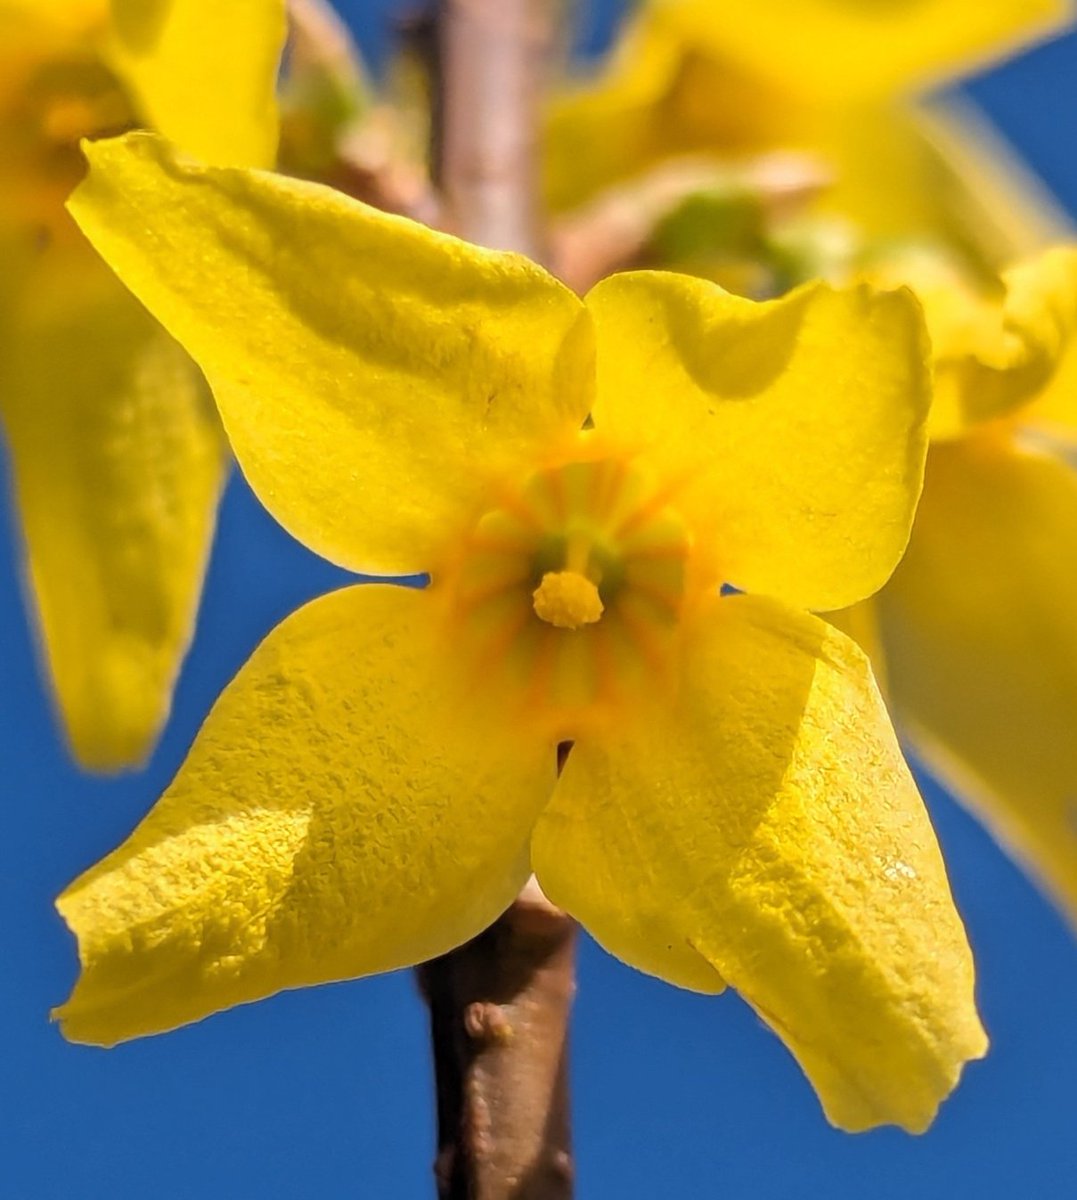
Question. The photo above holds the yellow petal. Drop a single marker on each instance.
(1055, 408)
(993, 354)
(831, 51)
(938, 173)
(978, 624)
(371, 374)
(118, 460)
(203, 73)
(599, 132)
(861, 623)
(63, 17)
(659, 96)
(766, 822)
(341, 812)
(796, 425)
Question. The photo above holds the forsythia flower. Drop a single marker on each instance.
(377, 782)
(975, 631)
(837, 80)
(116, 452)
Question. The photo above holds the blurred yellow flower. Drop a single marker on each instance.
(116, 452)
(839, 80)
(376, 784)
(975, 632)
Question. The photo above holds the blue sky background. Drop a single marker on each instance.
(326, 1092)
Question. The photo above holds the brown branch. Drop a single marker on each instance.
(499, 1005)
(499, 1010)
(494, 55)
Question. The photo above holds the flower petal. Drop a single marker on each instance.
(935, 173)
(203, 73)
(118, 461)
(602, 131)
(978, 625)
(861, 623)
(341, 812)
(1055, 408)
(994, 354)
(830, 51)
(657, 97)
(767, 821)
(797, 425)
(371, 373)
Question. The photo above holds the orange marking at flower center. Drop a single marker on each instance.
(567, 596)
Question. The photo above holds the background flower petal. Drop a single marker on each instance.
(832, 52)
(203, 73)
(341, 812)
(118, 461)
(935, 172)
(371, 374)
(995, 353)
(767, 821)
(796, 425)
(980, 634)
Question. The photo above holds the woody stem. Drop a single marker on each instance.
(492, 62)
(499, 1005)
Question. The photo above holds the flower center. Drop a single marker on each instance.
(567, 599)
(570, 589)
(58, 101)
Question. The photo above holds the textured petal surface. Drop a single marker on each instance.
(796, 426)
(981, 639)
(342, 811)
(204, 73)
(767, 822)
(118, 460)
(371, 374)
(834, 50)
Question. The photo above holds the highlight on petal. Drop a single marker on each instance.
(837, 50)
(993, 353)
(978, 626)
(796, 425)
(341, 812)
(203, 73)
(118, 461)
(766, 823)
(372, 374)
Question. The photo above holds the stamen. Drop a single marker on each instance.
(567, 599)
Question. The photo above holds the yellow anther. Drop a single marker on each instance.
(567, 599)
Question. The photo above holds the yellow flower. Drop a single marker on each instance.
(837, 80)
(975, 631)
(376, 784)
(116, 451)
